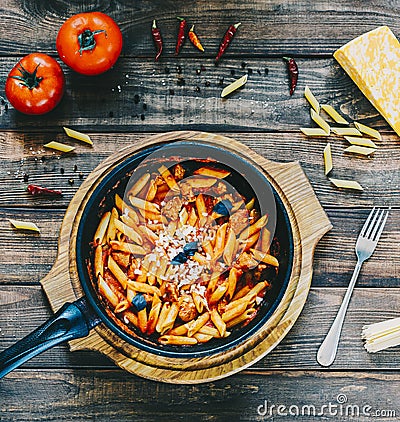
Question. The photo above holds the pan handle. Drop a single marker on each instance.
(73, 320)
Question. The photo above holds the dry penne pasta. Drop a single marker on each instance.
(58, 146)
(346, 184)
(346, 131)
(184, 258)
(311, 99)
(328, 158)
(356, 149)
(364, 142)
(334, 114)
(314, 131)
(24, 225)
(78, 135)
(320, 121)
(368, 131)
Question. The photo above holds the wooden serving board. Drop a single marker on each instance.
(308, 221)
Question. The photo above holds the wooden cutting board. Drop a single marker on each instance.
(308, 221)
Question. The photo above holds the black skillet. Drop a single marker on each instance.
(75, 320)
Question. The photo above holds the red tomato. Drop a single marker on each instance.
(36, 84)
(89, 43)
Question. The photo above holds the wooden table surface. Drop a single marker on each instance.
(139, 97)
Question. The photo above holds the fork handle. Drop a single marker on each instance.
(327, 351)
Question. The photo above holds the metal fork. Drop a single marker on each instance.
(365, 246)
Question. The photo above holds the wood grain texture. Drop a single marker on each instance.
(268, 27)
(24, 308)
(380, 175)
(110, 395)
(114, 100)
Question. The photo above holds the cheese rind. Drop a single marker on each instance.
(373, 62)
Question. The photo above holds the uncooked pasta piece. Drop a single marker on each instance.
(313, 131)
(356, 149)
(364, 142)
(320, 122)
(334, 114)
(346, 184)
(58, 146)
(24, 225)
(311, 99)
(368, 130)
(78, 135)
(328, 158)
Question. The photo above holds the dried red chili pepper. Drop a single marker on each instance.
(293, 73)
(195, 39)
(38, 190)
(157, 39)
(226, 40)
(181, 35)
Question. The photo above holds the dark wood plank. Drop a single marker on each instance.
(114, 101)
(333, 264)
(22, 309)
(379, 175)
(268, 27)
(115, 396)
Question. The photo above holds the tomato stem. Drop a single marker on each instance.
(87, 41)
(28, 79)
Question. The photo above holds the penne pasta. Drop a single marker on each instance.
(247, 314)
(102, 229)
(169, 178)
(230, 247)
(128, 231)
(182, 267)
(264, 257)
(117, 272)
(98, 261)
(144, 205)
(177, 340)
(218, 322)
(139, 185)
(212, 172)
(196, 324)
(107, 292)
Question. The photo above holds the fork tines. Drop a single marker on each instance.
(374, 224)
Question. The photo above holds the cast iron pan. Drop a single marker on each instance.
(75, 320)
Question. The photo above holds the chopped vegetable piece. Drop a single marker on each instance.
(191, 248)
(58, 146)
(223, 207)
(364, 142)
(346, 184)
(139, 302)
(346, 131)
(181, 258)
(234, 86)
(320, 122)
(334, 114)
(78, 135)
(313, 131)
(368, 130)
(328, 158)
(24, 225)
(293, 73)
(356, 149)
(38, 190)
(311, 99)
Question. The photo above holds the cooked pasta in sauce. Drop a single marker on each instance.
(183, 257)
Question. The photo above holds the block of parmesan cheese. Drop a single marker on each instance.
(373, 62)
